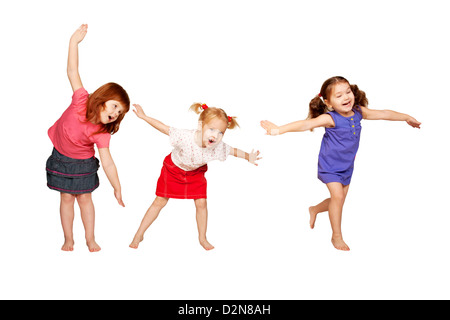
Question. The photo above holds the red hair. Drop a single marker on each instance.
(96, 104)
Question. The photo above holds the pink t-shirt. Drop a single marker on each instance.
(72, 136)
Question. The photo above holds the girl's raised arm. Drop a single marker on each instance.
(153, 122)
(72, 61)
(390, 115)
(323, 120)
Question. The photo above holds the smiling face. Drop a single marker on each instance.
(111, 111)
(341, 98)
(212, 132)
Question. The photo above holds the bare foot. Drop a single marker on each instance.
(68, 245)
(339, 244)
(312, 218)
(135, 243)
(205, 244)
(93, 246)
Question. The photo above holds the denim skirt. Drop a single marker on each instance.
(73, 176)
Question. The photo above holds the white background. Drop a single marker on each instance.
(257, 60)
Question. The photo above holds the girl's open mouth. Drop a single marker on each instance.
(346, 104)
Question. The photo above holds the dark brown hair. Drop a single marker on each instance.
(317, 106)
(96, 103)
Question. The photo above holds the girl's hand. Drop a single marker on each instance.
(413, 122)
(139, 111)
(153, 122)
(253, 157)
(271, 128)
(79, 34)
(118, 195)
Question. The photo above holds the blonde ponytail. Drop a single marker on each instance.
(197, 107)
(232, 123)
(209, 113)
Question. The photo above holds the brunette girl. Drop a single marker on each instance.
(339, 107)
(183, 172)
(72, 167)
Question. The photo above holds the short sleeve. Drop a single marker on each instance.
(80, 97)
(223, 152)
(178, 137)
(102, 140)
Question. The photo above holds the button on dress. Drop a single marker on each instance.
(339, 147)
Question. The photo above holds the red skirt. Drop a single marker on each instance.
(179, 184)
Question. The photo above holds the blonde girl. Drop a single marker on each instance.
(183, 172)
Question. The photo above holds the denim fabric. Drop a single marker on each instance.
(73, 176)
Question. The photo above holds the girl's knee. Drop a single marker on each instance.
(200, 203)
(337, 192)
(338, 197)
(67, 198)
(84, 198)
(161, 202)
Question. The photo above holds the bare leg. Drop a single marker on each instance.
(88, 217)
(150, 216)
(335, 213)
(67, 214)
(202, 222)
(314, 210)
(321, 207)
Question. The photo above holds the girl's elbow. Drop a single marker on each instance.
(72, 71)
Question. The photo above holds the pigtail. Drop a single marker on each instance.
(360, 96)
(196, 107)
(232, 123)
(208, 113)
(316, 107)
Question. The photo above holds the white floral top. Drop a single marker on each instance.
(187, 155)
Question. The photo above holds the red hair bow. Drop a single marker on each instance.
(204, 106)
(229, 119)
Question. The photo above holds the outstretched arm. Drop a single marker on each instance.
(390, 115)
(111, 172)
(251, 157)
(153, 122)
(72, 61)
(323, 120)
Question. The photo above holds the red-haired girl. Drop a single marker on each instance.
(183, 172)
(72, 167)
(339, 107)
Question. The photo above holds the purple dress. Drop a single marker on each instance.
(339, 147)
